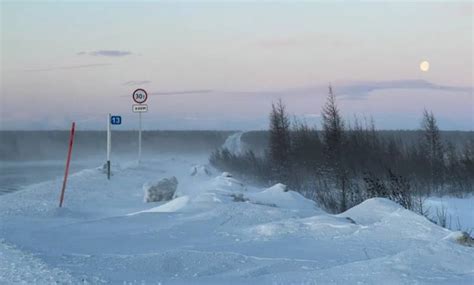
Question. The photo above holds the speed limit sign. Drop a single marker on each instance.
(139, 96)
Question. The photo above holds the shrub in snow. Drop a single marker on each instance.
(200, 170)
(226, 174)
(350, 220)
(462, 238)
(162, 190)
(397, 189)
(465, 239)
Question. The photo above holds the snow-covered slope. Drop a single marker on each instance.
(218, 230)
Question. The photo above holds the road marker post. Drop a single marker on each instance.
(109, 144)
(71, 142)
(111, 120)
(139, 96)
(139, 137)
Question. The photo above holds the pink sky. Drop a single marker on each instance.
(56, 67)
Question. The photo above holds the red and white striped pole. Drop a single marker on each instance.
(71, 142)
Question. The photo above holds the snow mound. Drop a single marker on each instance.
(314, 226)
(372, 211)
(225, 182)
(202, 196)
(279, 187)
(279, 196)
(174, 205)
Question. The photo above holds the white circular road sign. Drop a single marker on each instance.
(139, 96)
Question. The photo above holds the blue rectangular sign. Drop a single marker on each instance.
(116, 120)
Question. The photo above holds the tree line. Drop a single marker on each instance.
(347, 162)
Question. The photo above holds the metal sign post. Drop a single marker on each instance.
(139, 96)
(111, 120)
(139, 137)
(109, 145)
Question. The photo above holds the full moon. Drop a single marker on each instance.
(424, 66)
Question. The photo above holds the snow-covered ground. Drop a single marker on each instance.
(219, 230)
(459, 211)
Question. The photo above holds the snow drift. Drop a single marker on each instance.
(204, 236)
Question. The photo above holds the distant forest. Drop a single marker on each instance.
(50, 145)
(346, 162)
(257, 141)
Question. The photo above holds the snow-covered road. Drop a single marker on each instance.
(218, 231)
(234, 143)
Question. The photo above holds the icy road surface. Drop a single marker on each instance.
(217, 231)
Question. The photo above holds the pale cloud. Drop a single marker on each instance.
(184, 92)
(136, 82)
(66, 67)
(361, 90)
(179, 92)
(107, 53)
(302, 41)
(358, 90)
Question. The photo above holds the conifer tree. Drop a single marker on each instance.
(433, 149)
(333, 139)
(280, 143)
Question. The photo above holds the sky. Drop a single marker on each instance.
(210, 65)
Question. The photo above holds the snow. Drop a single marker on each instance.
(372, 211)
(234, 143)
(460, 211)
(106, 234)
(172, 206)
(276, 196)
(200, 170)
(22, 268)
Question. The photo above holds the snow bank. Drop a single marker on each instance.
(226, 183)
(174, 205)
(202, 195)
(372, 211)
(279, 196)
